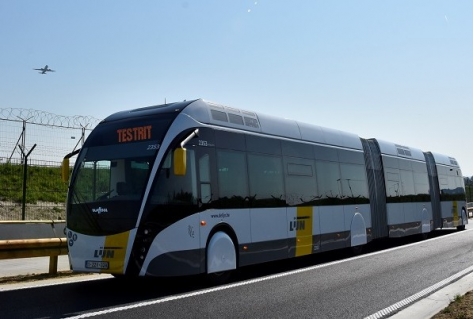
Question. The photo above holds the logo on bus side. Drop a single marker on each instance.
(191, 231)
(298, 224)
(134, 134)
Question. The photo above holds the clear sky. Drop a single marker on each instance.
(399, 70)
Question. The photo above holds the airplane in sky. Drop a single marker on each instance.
(44, 70)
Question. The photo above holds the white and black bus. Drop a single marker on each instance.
(195, 187)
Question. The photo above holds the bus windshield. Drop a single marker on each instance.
(111, 174)
(105, 193)
(110, 179)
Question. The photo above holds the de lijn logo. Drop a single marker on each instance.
(298, 224)
(104, 252)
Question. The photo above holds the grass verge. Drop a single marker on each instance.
(459, 308)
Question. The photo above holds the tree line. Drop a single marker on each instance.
(468, 186)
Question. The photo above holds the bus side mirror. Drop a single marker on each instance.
(65, 170)
(179, 159)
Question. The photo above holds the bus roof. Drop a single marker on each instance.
(445, 160)
(220, 115)
(207, 112)
(389, 148)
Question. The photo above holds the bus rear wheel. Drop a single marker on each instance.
(464, 220)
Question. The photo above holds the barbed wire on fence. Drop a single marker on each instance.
(54, 135)
(46, 118)
(39, 140)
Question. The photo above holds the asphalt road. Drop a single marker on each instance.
(330, 285)
(30, 266)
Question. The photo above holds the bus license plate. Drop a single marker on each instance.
(91, 264)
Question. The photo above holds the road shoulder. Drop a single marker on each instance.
(436, 302)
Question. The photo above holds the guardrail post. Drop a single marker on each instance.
(53, 265)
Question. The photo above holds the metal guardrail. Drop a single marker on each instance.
(27, 248)
(27, 239)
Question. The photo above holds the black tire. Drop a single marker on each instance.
(219, 278)
(357, 250)
(423, 236)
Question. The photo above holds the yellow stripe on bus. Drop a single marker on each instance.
(455, 213)
(304, 231)
(115, 248)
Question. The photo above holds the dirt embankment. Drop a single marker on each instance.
(38, 211)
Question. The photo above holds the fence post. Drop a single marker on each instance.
(25, 167)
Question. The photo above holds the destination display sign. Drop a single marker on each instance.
(134, 134)
(150, 131)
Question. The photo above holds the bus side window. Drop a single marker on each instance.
(205, 178)
(232, 178)
(329, 180)
(300, 181)
(266, 180)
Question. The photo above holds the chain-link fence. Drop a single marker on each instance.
(32, 145)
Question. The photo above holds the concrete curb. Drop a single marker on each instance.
(436, 302)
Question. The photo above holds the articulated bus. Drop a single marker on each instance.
(196, 187)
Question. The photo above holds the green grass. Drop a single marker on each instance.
(43, 184)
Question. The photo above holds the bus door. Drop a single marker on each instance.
(206, 179)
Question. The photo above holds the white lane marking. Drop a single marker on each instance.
(384, 313)
(252, 281)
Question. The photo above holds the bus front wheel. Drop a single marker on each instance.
(221, 258)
